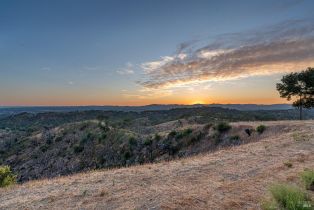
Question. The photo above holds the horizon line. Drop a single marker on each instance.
(17, 106)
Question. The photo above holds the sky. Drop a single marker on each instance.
(114, 52)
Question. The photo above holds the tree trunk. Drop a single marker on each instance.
(301, 108)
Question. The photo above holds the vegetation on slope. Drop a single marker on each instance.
(52, 144)
(6, 176)
(233, 178)
(95, 144)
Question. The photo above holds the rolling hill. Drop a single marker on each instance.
(234, 177)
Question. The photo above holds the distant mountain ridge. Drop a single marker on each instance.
(7, 110)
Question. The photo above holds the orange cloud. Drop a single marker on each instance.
(279, 49)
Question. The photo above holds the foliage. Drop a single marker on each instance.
(102, 137)
(78, 148)
(222, 127)
(260, 129)
(181, 134)
(157, 137)
(288, 198)
(148, 142)
(44, 148)
(308, 179)
(86, 137)
(132, 141)
(300, 85)
(248, 131)
(77, 136)
(195, 138)
(127, 155)
(217, 137)
(6, 176)
(187, 132)
(172, 134)
(235, 138)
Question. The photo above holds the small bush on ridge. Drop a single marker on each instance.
(260, 129)
(222, 127)
(6, 176)
(172, 134)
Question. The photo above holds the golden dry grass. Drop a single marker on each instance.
(233, 178)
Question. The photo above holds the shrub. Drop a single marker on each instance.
(179, 135)
(102, 137)
(148, 142)
(86, 137)
(58, 138)
(217, 137)
(288, 198)
(132, 141)
(222, 127)
(308, 179)
(127, 155)
(187, 131)
(197, 137)
(184, 133)
(157, 137)
(172, 134)
(235, 138)
(288, 164)
(248, 131)
(6, 176)
(83, 126)
(260, 129)
(49, 140)
(44, 148)
(78, 148)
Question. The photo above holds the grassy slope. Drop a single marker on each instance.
(234, 178)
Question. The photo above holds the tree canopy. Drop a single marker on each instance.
(300, 87)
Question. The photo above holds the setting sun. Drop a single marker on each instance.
(198, 102)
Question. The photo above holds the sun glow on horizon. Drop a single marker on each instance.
(198, 102)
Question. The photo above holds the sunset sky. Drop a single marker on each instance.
(114, 52)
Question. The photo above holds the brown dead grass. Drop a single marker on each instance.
(233, 178)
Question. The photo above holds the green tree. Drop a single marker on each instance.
(299, 87)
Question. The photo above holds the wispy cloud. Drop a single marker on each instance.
(285, 47)
(128, 69)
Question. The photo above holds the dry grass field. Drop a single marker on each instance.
(232, 178)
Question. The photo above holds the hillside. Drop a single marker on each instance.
(230, 178)
(51, 144)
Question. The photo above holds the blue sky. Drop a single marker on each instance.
(78, 52)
